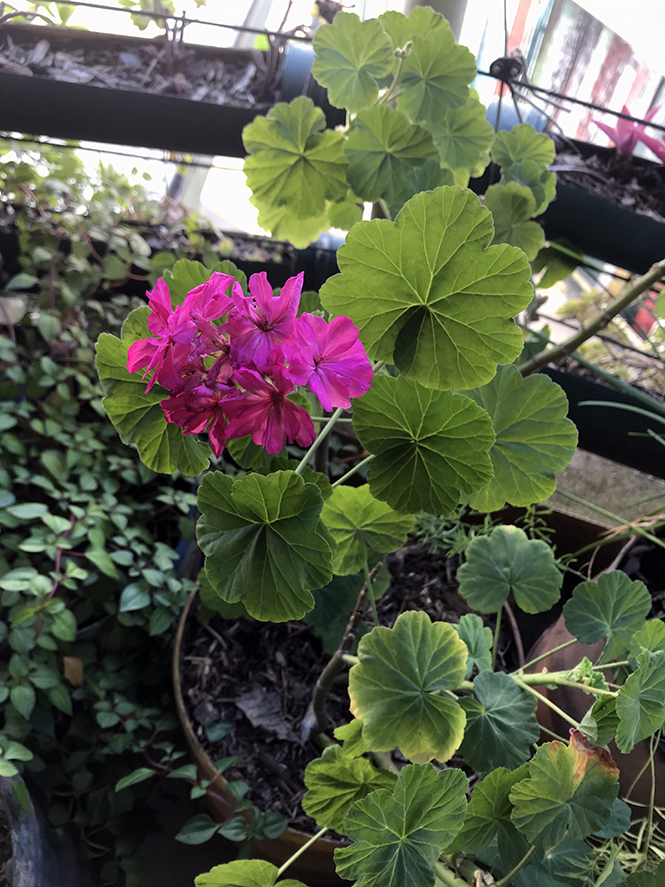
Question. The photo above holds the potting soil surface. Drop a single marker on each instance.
(630, 182)
(259, 677)
(162, 67)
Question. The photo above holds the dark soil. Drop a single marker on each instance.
(630, 182)
(278, 664)
(5, 848)
(161, 67)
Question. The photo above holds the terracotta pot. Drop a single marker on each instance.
(576, 703)
(316, 866)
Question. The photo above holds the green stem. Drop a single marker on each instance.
(548, 703)
(652, 795)
(350, 660)
(318, 440)
(629, 294)
(350, 473)
(300, 851)
(445, 876)
(386, 97)
(518, 868)
(561, 679)
(545, 655)
(497, 628)
(370, 592)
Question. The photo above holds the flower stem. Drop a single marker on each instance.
(545, 655)
(355, 468)
(300, 851)
(541, 698)
(318, 440)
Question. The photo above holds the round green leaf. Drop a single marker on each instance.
(381, 148)
(361, 524)
(650, 637)
(478, 641)
(425, 177)
(541, 182)
(435, 76)
(508, 561)
(534, 439)
(569, 792)
(430, 446)
(285, 224)
(335, 781)
(343, 214)
(398, 836)
(501, 726)
(614, 607)
(512, 206)
(521, 143)
(464, 137)
(295, 163)
(395, 688)
(428, 295)
(351, 55)
(138, 417)
(640, 704)
(264, 542)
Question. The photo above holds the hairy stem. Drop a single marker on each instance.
(350, 473)
(628, 295)
(545, 655)
(548, 703)
(518, 868)
(497, 629)
(300, 851)
(318, 440)
(448, 878)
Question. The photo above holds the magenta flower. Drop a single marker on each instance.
(265, 412)
(256, 325)
(209, 301)
(197, 408)
(626, 134)
(169, 359)
(330, 358)
(654, 145)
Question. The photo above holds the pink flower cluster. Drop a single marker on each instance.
(230, 361)
(626, 134)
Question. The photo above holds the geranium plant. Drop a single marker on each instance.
(415, 337)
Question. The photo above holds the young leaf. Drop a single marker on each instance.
(295, 163)
(138, 417)
(395, 688)
(244, 873)
(463, 138)
(435, 76)
(422, 20)
(430, 446)
(541, 183)
(264, 542)
(399, 835)
(335, 781)
(197, 830)
(650, 637)
(512, 206)
(508, 561)
(361, 524)
(569, 792)
(600, 722)
(135, 777)
(381, 148)
(614, 607)
(429, 294)
(521, 143)
(351, 55)
(534, 439)
(640, 704)
(478, 641)
(501, 726)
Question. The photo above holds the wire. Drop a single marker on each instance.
(524, 84)
(180, 19)
(195, 163)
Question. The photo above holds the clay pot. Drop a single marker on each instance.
(576, 703)
(316, 866)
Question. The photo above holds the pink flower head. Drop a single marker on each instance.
(195, 407)
(330, 358)
(625, 134)
(208, 301)
(265, 412)
(168, 359)
(658, 147)
(259, 323)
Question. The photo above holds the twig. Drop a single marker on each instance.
(630, 293)
(516, 633)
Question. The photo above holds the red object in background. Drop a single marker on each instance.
(644, 319)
